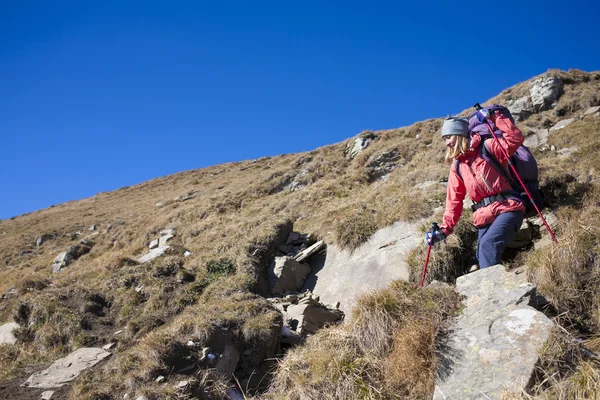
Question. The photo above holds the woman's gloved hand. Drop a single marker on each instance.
(435, 237)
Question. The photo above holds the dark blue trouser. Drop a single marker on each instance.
(494, 237)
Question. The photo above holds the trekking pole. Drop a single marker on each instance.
(479, 110)
(434, 228)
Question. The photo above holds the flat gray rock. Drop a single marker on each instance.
(6, 333)
(343, 276)
(496, 338)
(562, 123)
(66, 369)
(154, 253)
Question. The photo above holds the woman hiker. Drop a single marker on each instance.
(497, 215)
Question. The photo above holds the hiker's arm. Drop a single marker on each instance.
(454, 202)
(513, 138)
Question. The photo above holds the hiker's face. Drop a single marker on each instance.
(450, 141)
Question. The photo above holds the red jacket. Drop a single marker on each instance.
(481, 180)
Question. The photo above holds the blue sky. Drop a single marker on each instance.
(100, 95)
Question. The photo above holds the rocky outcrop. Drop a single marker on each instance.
(382, 164)
(6, 333)
(73, 253)
(545, 92)
(496, 339)
(521, 108)
(354, 147)
(43, 238)
(66, 369)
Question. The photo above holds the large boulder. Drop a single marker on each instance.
(545, 92)
(496, 339)
(354, 147)
(285, 274)
(66, 369)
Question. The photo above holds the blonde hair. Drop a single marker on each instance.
(461, 147)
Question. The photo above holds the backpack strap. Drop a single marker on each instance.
(456, 167)
(493, 161)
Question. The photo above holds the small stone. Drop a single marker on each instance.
(160, 379)
(47, 394)
(126, 396)
(183, 384)
(108, 346)
(92, 228)
(187, 253)
(159, 204)
(139, 289)
(39, 241)
(119, 332)
(205, 352)
(109, 227)
(191, 343)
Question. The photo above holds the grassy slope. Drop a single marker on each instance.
(236, 209)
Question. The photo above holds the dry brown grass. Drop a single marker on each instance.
(391, 340)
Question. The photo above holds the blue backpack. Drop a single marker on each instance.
(523, 161)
